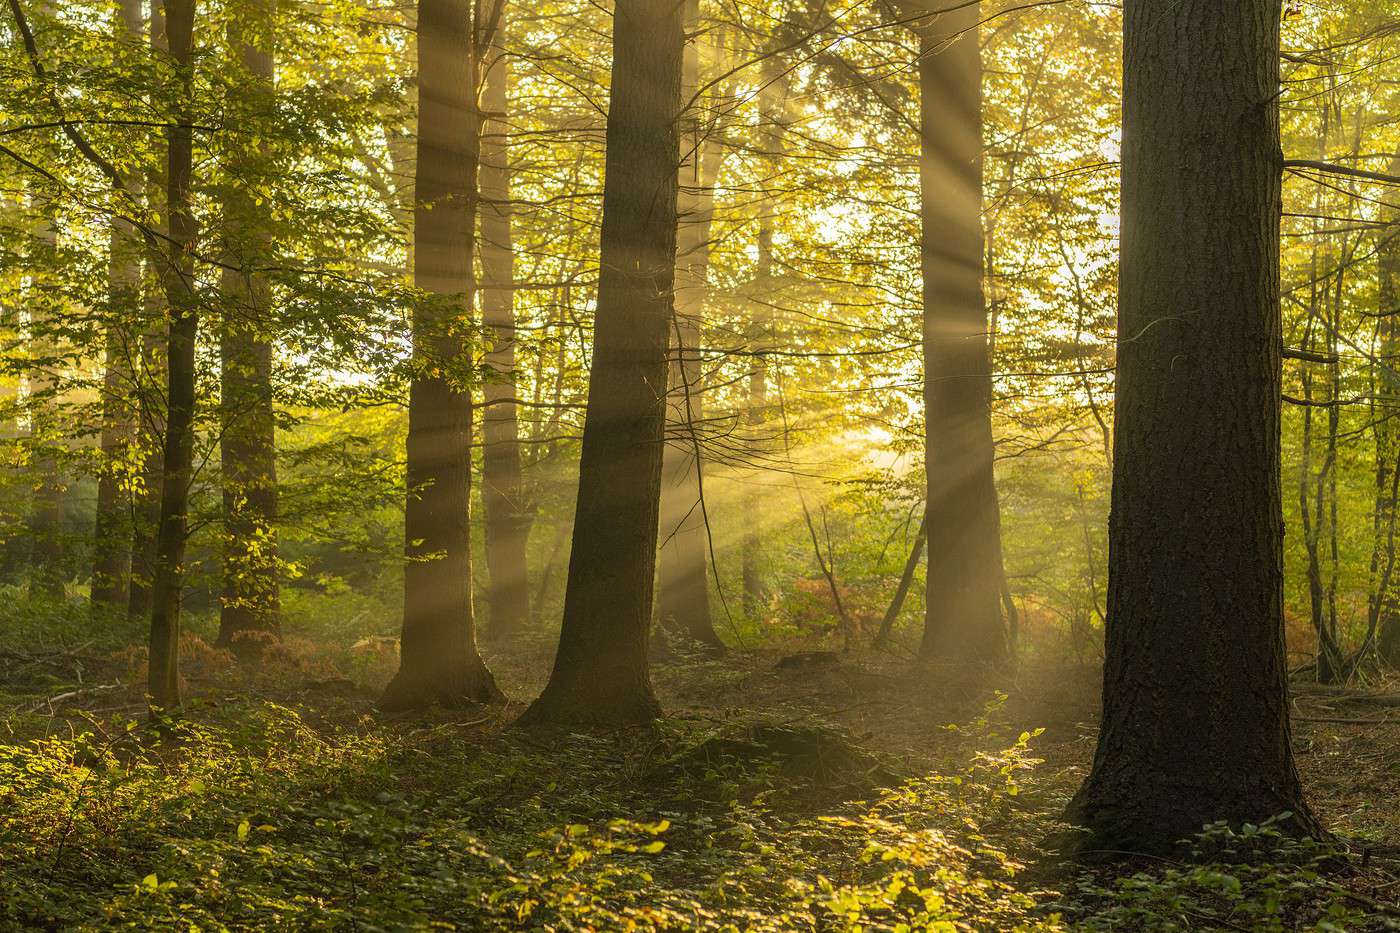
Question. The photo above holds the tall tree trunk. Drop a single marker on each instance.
(600, 671)
(1387, 597)
(504, 502)
(439, 661)
(111, 563)
(683, 588)
(248, 612)
(773, 99)
(111, 547)
(178, 279)
(962, 619)
(48, 574)
(1195, 718)
(150, 379)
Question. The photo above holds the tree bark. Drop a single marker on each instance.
(1195, 718)
(683, 587)
(439, 661)
(772, 98)
(178, 279)
(507, 511)
(111, 546)
(151, 377)
(1387, 433)
(48, 573)
(248, 608)
(962, 620)
(600, 673)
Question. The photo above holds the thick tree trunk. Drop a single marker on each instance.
(962, 618)
(1195, 720)
(111, 546)
(505, 505)
(439, 661)
(683, 580)
(248, 611)
(600, 673)
(177, 466)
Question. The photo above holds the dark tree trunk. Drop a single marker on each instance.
(150, 379)
(177, 466)
(1387, 596)
(683, 580)
(962, 620)
(1195, 719)
(439, 661)
(600, 672)
(906, 580)
(111, 547)
(507, 513)
(248, 611)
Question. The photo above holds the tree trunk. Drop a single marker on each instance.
(773, 99)
(177, 466)
(506, 508)
(439, 661)
(111, 563)
(48, 573)
(111, 547)
(962, 615)
(683, 587)
(600, 672)
(248, 610)
(906, 579)
(1195, 719)
(1387, 433)
(151, 376)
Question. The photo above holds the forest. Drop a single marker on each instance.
(716, 465)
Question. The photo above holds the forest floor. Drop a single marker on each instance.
(785, 790)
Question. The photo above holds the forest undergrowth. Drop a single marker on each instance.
(785, 790)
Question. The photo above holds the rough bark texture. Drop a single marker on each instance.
(439, 661)
(600, 672)
(962, 620)
(1195, 720)
(683, 587)
(248, 609)
(507, 512)
(178, 279)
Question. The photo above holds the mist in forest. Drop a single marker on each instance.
(680, 464)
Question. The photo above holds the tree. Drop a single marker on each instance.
(683, 586)
(1385, 610)
(177, 276)
(149, 381)
(962, 618)
(439, 660)
(507, 514)
(248, 611)
(1195, 703)
(600, 673)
